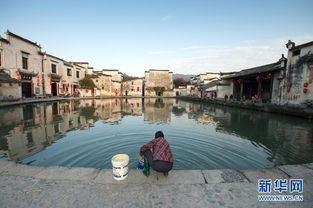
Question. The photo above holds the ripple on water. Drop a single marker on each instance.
(200, 138)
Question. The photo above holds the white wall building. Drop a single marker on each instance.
(297, 84)
(21, 59)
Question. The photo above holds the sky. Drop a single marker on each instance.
(188, 37)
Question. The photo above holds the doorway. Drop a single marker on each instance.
(26, 89)
(54, 89)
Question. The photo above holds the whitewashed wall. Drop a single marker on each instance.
(8, 92)
(299, 74)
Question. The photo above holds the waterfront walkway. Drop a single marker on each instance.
(30, 186)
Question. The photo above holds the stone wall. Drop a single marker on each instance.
(10, 92)
(103, 83)
(115, 83)
(276, 88)
(297, 87)
(132, 87)
(223, 90)
(159, 79)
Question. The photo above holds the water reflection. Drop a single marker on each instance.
(29, 129)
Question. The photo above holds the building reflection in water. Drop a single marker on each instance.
(26, 130)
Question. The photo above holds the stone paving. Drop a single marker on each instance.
(30, 186)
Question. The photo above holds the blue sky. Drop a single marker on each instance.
(184, 36)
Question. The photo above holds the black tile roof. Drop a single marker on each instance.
(55, 57)
(109, 69)
(302, 46)
(67, 64)
(6, 78)
(4, 40)
(23, 39)
(211, 84)
(158, 70)
(256, 70)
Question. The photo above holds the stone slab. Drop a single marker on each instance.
(271, 173)
(309, 165)
(67, 173)
(28, 192)
(224, 176)
(21, 170)
(213, 176)
(137, 177)
(298, 171)
(20, 191)
(181, 177)
(4, 164)
(105, 176)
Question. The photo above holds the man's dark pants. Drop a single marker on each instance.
(158, 165)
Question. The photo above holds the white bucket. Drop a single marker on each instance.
(120, 166)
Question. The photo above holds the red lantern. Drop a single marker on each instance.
(289, 84)
(0, 84)
(239, 80)
(258, 78)
(288, 89)
(10, 84)
(305, 90)
(305, 84)
(232, 80)
(270, 76)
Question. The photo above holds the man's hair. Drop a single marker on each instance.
(159, 134)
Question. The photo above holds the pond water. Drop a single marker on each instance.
(87, 133)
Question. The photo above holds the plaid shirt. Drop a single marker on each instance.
(161, 149)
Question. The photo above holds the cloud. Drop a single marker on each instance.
(192, 47)
(226, 59)
(165, 18)
(160, 52)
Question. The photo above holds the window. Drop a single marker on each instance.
(132, 82)
(30, 141)
(56, 128)
(96, 80)
(25, 60)
(53, 68)
(296, 53)
(69, 72)
(138, 89)
(77, 74)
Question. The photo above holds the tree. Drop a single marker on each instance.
(87, 83)
(179, 82)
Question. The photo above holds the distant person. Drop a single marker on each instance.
(160, 158)
(231, 97)
(226, 97)
(253, 98)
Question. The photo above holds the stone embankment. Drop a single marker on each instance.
(292, 110)
(31, 186)
(54, 99)
(296, 110)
